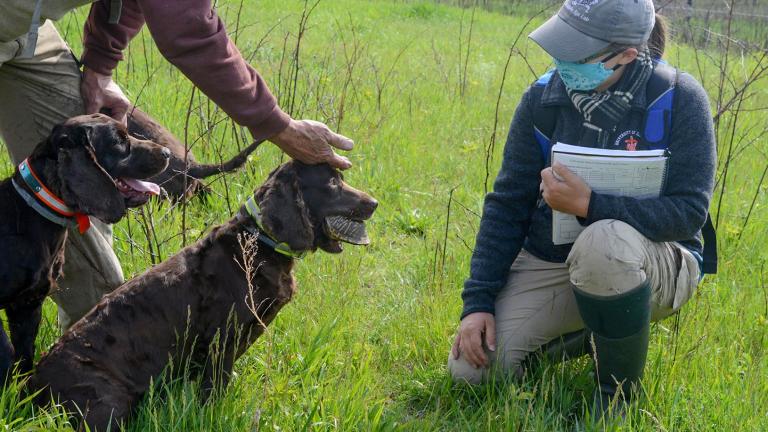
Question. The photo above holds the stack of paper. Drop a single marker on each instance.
(637, 174)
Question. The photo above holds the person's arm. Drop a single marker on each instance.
(192, 37)
(103, 48)
(504, 225)
(103, 43)
(681, 211)
(506, 214)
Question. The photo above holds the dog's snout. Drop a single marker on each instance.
(367, 207)
(146, 159)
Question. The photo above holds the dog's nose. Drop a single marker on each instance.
(373, 204)
(166, 152)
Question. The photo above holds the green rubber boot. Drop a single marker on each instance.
(566, 347)
(620, 328)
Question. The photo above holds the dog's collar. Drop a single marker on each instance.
(253, 210)
(46, 203)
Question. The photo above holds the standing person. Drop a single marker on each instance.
(41, 85)
(638, 260)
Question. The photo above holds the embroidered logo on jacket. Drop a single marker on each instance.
(627, 140)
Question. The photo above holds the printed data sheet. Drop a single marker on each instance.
(638, 174)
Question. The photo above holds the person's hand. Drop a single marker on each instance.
(100, 93)
(310, 142)
(469, 341)
(564, 191)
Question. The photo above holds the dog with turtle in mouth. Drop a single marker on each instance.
(212, 294)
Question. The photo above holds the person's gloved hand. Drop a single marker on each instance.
(310, 142)
(469, 342)
(101, 94)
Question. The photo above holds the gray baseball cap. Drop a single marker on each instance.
(583, 28)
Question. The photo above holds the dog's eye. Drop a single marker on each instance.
(127, 146)
(124, 141)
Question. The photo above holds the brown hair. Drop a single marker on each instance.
(657, 42)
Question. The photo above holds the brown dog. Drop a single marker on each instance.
(201, 297)
(173, 180)
(88, 166)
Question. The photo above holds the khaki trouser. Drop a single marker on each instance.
(35, 94)
(537, 304)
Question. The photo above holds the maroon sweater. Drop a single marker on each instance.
(192, 37)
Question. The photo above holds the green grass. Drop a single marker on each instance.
(364, 343)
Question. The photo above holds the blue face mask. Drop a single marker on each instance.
(584, 76)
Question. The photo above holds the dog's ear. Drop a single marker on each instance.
(49, 148)
(284, 213)
(85, 186)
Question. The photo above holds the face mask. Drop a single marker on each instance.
(584, 76)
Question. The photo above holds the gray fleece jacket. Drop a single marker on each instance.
(514, 216)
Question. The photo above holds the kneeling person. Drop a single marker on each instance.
(638, 260)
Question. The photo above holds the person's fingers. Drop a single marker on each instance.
(547, 179)
(122, 119)
(552, 184)
(455, 347)
(476, 346)
(490, 333)
(92, 105)
(468, 353)
(119, 112)
(464, 348)
(340, 141)
(564, 173)
(339, 162)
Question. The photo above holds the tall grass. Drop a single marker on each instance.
(363, 346)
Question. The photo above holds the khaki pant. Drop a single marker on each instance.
(537, 305)
(35, 94)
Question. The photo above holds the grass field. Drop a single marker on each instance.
(364, 343)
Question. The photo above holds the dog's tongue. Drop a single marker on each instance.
(142, 186)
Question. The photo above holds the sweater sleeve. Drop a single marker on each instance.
(191, 36)
(103, 43)
(682, 209)
(506, 213)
